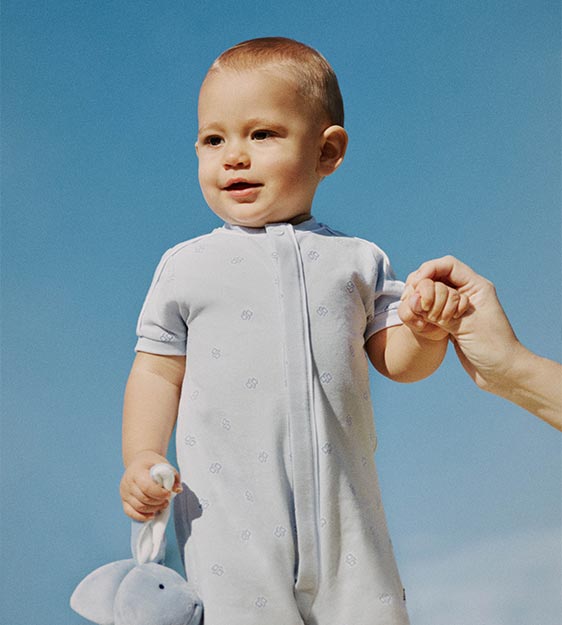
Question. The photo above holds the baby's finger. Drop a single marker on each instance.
(134, 513)
(149, 497)
(427, 291)
(148, 508)
(140, 489)
(141, 503)
(440, 299)
(407, 314)
(451, 306)
(177, 488)
(407, 292)
(151, 488)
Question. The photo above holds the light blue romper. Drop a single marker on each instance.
(281, 518)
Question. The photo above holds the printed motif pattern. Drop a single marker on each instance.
(230, 449)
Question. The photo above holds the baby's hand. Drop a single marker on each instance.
(429, 308)
(142, 497)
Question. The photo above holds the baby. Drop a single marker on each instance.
(280, 516)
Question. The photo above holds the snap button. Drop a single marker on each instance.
(279, 232)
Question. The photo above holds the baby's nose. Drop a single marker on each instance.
(236, 157)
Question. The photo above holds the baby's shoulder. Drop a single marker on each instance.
(196, 245)
(351, 242)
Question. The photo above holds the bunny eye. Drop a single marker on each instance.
(161, 586)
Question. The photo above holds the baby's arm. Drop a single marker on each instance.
(149, 414)
(414, 350)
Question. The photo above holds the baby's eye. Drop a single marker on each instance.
(261, 135)
(213, 140)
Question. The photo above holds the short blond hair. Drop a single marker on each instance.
(316, 80)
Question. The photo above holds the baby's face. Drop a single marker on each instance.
(258, 147)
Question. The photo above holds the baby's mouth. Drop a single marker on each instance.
(241, 185)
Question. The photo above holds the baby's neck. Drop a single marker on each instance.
(299, 219)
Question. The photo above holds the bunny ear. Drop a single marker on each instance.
(95, 594)
(148, 540)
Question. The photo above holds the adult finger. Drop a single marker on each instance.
(463, 307)
(447, 269)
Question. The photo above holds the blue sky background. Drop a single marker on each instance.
(453, 110)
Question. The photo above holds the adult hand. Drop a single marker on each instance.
(483, 336)
(486, 343)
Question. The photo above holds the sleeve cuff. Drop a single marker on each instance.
(162, 348)
(383, 320)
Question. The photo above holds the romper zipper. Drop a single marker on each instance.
(300, 387)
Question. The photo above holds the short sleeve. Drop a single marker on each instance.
(161, 329)
(388, 291)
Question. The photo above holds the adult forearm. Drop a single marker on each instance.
(488, 348)
(534, 383)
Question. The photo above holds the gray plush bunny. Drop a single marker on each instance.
(139, 591)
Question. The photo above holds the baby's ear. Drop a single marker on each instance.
(334, 145)
(95, 595)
